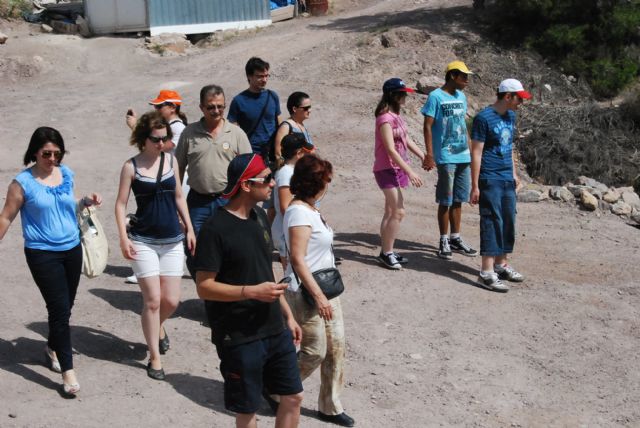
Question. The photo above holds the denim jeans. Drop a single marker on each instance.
(454, 183)
(57, 274)
(497, 216)
(201, 207)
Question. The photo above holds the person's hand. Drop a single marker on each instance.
(127, 248)
(93, 199)
(296, 331)
(415, 179)
(517, 181)
(191, 242)
(266, 291)
(428, 163)
(131, 119)
(475, 196)
(324, 307)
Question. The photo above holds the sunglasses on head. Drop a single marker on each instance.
(47, 154)
(263, 180)
(156, 140)
(215, 107)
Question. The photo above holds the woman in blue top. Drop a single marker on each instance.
(154, 241)
(43, 194)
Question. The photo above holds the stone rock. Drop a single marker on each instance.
(176, 43)
(588, 201)
(611, 196)
(586, 181)
(83, 26)
(621, 208)
(632, 199)
(3, 38)
(547, 87)
(64, 27)
(560, 193)
(636, 184)
(595, 192)
(604, 206)
(46, 28)
(576, 189)
(528, 196)
(385, 41)
(426, 84)
(635, 216)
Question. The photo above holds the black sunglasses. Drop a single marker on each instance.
(159, 106)
(215, 106)
(156, 140)
(305, 108)
(47, 154)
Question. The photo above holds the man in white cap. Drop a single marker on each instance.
(447, 143)
(494, 180)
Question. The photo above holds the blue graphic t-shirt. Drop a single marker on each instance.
(497, 134)
(449, 130)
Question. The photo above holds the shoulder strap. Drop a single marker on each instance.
(159, 177)
(264, 109)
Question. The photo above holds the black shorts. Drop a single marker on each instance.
(269, 363)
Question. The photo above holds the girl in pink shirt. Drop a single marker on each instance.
(391, 168)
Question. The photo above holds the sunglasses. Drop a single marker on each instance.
(156, 140)
(263, 180)
(159, 106)
(47, 154)
(215, 107)
(305, 108)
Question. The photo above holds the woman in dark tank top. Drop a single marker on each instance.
(154, 240)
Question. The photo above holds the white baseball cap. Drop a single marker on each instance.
(513, 85)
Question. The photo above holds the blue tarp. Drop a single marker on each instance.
(275, 4)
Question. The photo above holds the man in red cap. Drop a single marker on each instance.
(251, 323)
(494, 180)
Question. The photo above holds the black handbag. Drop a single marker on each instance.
(328, 279)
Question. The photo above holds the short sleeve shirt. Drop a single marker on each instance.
(245, 110)
(283, 178)
(449, 129)
(382, 159)
(239, 251)
(496, 132)
(208, 158)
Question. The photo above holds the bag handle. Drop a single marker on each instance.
(264, 109)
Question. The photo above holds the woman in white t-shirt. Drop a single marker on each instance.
(294, 146)
(309, 241)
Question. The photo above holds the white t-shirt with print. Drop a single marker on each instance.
(283, 178)
(319, 253)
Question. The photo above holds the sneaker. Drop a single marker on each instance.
(444, 251)
(389, 261)
(401, 259)
(459, 246)
(493, 283)
(131, 280)
(507, 273)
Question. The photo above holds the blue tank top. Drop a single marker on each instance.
(48, 213)
(157, 214)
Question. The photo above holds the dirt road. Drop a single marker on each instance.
(425, 346)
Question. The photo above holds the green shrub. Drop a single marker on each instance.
(14, 8)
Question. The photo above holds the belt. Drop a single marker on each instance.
(207, 195)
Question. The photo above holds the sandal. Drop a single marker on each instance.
(164, 343)
(52, 360)
(157, 374)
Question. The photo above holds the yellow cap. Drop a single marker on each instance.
(457, 65)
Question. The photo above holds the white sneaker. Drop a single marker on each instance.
(131, 280)
(493, 283)
(507, 273)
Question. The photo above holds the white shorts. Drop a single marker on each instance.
(158, 260)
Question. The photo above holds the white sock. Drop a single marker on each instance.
(499, 267)
(455, 236)
(389, 253)
(486, 274)
(444, 237)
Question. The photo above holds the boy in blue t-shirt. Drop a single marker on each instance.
(494, 181)
(447, 143)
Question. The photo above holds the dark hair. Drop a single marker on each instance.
(501, 95)
(310, 176)
(295, 100)
(451, 74)
(389, 101)
(208, 91)
(255, 64)
(148, 122)
(182, 116)
(291, 144)
(39, 138)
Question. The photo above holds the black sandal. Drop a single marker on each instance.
(157, 374)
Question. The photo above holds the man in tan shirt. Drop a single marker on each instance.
(206, 147)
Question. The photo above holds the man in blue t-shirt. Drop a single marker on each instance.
(447, 143)
(256, 110)
(494, 181)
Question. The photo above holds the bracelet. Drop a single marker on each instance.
(242, 291)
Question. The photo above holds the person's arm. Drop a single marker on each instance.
(476, 159)
(210, 289)
(293, 325)
(388, 143)
(244, 146)
(181, 155)
(283, 131)
(429, 162)
(413, 147)
(232, 113)
(124, 187)
(12, 205)
(299, 238)
(284, 198)
(183, 211)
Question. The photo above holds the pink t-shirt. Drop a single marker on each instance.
(399, 128)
